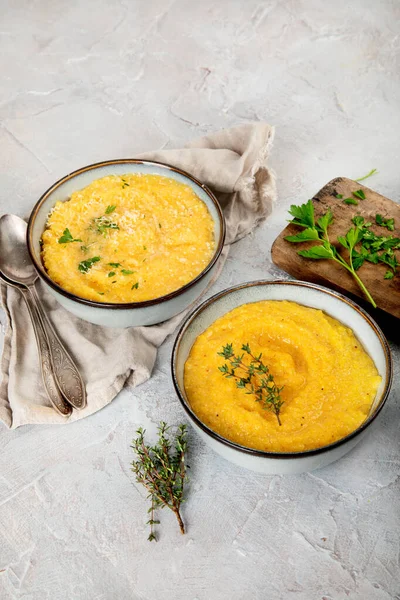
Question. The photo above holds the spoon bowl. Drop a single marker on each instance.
(15, 262)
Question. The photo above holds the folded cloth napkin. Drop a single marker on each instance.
(233, 163)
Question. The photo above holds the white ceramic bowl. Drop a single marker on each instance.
(134, 313)
(307, 294)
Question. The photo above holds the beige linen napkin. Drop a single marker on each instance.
(233, 163)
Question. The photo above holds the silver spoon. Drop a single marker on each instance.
(56, 398)
(17, 269)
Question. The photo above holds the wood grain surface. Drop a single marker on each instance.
(386, 293)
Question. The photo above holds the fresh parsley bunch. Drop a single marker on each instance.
(317, 230)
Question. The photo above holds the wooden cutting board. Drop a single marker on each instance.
(386, 292)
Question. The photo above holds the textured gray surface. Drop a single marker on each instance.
(85, 81)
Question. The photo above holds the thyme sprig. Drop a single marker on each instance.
(161, 469)
(254, 377)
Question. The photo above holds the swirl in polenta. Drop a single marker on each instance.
(128, 238)
(329, 381)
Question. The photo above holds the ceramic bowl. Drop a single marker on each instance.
(307, 294)
(134, 313)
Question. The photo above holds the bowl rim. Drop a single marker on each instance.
(282, 455)
(121, 305)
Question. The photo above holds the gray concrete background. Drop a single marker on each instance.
(86, 81)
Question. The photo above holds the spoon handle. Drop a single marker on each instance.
(65, 371)
(49, 381)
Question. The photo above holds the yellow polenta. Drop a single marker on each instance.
(329, 380)
(128, 238)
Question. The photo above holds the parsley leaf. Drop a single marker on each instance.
(303, 214)
(85, 265)
(389, 275)
(317, 252)
(359, 258)
(324, 221)
(388, 223)
(372, 257)
(359, 194)
(304, 236)
(111, 274)
(67, 237)
(350, 201)
(359, 221)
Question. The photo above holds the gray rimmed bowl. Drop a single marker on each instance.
(307, 294)
(148, 312)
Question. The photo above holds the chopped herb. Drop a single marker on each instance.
(144, 247)
(389, 275)
(116, 265)
(111, 274)
(350, 201)
(127, 272)
(372, 172)
(85, 265)
(86, 248)
(135, 286)
(67, 237)
(160, 225)
(110, 209)
(388, 223)
(338, 196)
(101, 224)
(101, 293)
(114, 281)
(359, 194)
(124, 183)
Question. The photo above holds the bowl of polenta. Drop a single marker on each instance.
(126, 242)
(281, 376)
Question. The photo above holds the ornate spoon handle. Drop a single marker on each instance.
(65, 371)
(49, 381)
